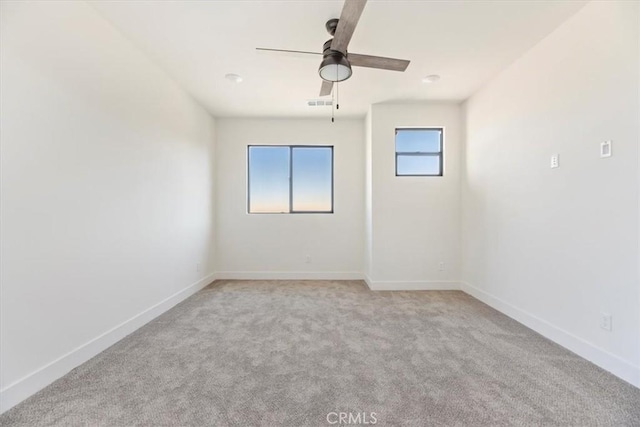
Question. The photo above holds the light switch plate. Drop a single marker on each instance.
(555, 161)
(605, 149)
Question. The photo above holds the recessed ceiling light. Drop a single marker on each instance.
(233, 78)
(432, 78)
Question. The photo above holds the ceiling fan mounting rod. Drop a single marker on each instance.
(331, 26)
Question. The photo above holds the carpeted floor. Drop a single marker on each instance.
(291, 353)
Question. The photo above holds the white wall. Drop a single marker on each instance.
(368, 195)
(556, 247)
(107, 191)
(276, 245)
(638, 123)
(415, 220)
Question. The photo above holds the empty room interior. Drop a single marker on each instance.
(319, 213)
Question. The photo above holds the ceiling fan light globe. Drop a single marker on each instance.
(335, 68)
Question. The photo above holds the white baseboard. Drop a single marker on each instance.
(23, 388)
(288, 275)
(607, 361)
(412, 285)
(367, 280)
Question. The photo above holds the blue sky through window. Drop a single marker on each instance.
(418, 165)
(269, 179)
(418, 140)
(311, 179)
(311, 172)
(419, 152)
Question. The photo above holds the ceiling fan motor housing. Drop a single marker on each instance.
(334, 66)
(326, 48)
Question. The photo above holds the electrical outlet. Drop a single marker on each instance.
(441, 266)
(307, 259)
(555, 161)
(606, 321)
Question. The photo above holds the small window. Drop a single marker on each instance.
(419, 152)
(290, 179)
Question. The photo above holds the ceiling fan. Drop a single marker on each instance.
(336, 61)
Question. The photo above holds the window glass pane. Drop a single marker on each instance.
(418, 140)
(268, 179)
(418, 165)
(312, 179)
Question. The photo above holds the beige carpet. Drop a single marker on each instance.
(288, 353)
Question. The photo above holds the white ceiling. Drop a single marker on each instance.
(198, 42)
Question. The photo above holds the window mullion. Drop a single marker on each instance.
(290, 179)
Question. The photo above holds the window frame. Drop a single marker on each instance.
(439, 154)
(291, 148)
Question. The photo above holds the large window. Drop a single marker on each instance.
(290, 179)
(419, 151)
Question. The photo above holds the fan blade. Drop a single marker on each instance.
(326, 88)
(286, 51)
(349, 17)
(378, 62)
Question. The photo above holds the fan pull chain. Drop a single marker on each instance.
(337, 96)
(333, 103)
